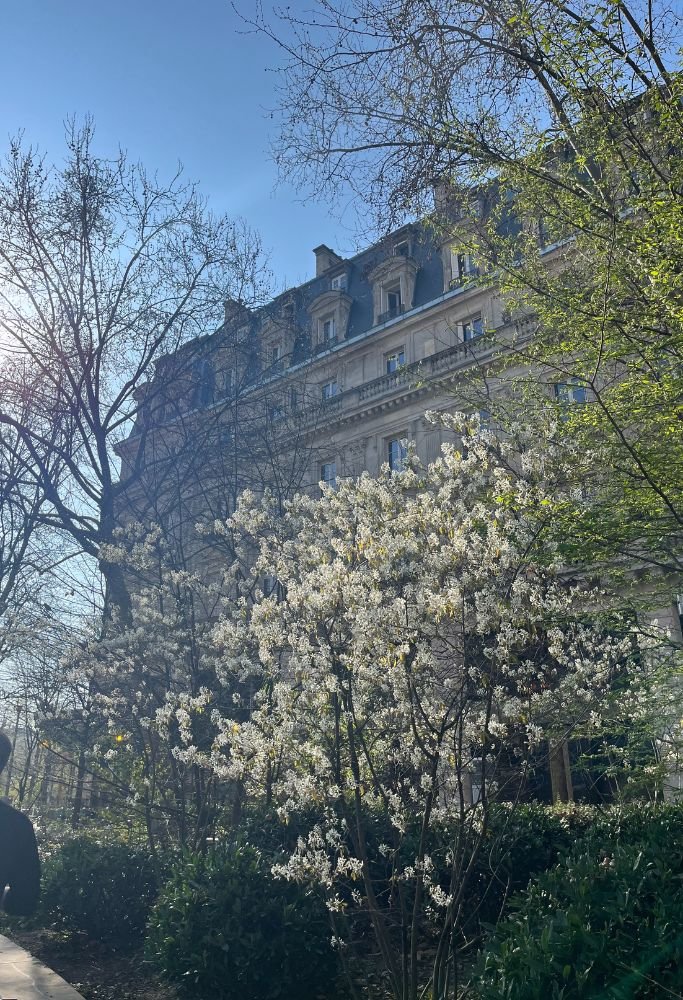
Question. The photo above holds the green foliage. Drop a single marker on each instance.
(522, 842)
(605, 923)
(609, 319)
(104, 890)
(225, 929)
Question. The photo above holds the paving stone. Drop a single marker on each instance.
(23, 977)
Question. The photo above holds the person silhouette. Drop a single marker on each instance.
(19, 863)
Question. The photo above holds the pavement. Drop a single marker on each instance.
(23, 977)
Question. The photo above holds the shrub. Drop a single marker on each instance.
(523, 841)
(106, 891)
(224, 928)
(605, 923)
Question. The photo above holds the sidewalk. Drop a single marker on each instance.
(25, 978)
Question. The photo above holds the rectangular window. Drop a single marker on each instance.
(396, 454)
(570, 392)
(394, 304)
(329, 390)
(294, 399)
(229, 382)
(472, 328)
(205, 381)
(276, 414)
(339, 282)
(327, 330)
(269, 585)
(328, 473)
(395, 360)
(276, 362)
(402, 249)
(465, 266)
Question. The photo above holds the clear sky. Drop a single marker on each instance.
(168, 80)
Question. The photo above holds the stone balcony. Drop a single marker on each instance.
(415, 377)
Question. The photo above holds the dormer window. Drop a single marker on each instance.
(402, 249)
(460, 265)
(205, 380)
(276, 363)
(393, 287)
(544, 235)
(227, 382)
(327, 330)
(329, 314)
(339, 283)
(463, 267)
(393, 302)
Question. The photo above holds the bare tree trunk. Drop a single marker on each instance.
(117, 602)
(78, 794)
(10, 762)
(560, 772)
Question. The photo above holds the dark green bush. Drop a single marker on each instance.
(225, 929)
(606, 923)
(522, 842)
(104, 890)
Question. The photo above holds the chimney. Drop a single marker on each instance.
(324, 259)
(236, 313)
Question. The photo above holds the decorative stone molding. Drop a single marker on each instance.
(335, 305)
(394, 276)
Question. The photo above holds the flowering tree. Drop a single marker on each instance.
(417, 654)
(552, 130)
(148, 685)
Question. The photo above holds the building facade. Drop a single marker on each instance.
(326, 381)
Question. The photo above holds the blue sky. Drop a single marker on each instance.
(169, 81)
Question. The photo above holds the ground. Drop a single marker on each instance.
(96, 971)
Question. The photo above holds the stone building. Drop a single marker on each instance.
(328, 380)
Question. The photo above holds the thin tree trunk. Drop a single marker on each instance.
(78, 794)
(560, 772)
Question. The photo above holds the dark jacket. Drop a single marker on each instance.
(19, 864)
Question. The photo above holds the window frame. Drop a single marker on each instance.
(326, 396)
(396, 464)
(329, 480)
(326, 324)
(389, 291)
(469, 323)
(399, 354)
(573, 392)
